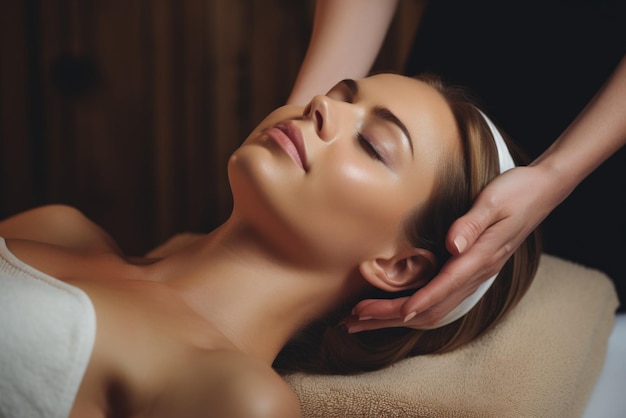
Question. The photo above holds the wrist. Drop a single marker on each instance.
(557, 177)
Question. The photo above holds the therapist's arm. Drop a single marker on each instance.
(508, 209)
(346, 38)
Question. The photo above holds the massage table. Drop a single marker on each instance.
(542, 360)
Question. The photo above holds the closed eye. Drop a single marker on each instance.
(369, 148)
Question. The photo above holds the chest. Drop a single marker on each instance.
(144, 336)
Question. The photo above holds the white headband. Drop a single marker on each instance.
(506, 163)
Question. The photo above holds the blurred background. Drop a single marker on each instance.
(129, 110)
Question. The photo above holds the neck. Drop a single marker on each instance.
(256, 298)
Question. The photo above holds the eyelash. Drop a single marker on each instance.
(369, 148)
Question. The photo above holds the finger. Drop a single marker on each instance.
(381, 309)
(433, 302)
(359, 307)
(354, 325)
(469, 227)
(431, 317)
(459, 278)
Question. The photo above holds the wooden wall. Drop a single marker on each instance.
(129, 109)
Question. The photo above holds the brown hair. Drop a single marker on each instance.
(326, 346)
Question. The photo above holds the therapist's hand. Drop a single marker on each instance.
(481, 241)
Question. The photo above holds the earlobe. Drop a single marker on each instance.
(407, 269)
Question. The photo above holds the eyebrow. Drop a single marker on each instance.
(386, 114)
(381, 112)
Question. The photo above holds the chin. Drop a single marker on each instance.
(256, 182)
(244, 175)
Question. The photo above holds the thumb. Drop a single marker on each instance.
(469, 227)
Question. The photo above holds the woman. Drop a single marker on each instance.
(351, 196)
(510, 54)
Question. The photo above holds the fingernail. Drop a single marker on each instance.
(409, 317)
(460, 243)
(365, 318)
(354, 329)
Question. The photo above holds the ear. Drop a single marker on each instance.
(408, 268)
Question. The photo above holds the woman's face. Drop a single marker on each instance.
(333, 182)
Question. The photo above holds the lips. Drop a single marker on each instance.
(289, 138)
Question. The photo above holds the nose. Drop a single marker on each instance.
(319, 112)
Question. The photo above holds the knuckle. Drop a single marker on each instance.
(490, 200)
(507, 249)
(502, 254)
(474, 226)
(431, 316)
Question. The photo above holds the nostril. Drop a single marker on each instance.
(320, 121)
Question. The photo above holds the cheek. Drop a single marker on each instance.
(364, 188)
(359, 191)
(357, 206)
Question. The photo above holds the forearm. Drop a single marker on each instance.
(346, 38)
(597, 133)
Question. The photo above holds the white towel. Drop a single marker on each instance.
(47, 332)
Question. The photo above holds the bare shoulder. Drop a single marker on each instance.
(249, 388)
(230, 385)
(59, 225)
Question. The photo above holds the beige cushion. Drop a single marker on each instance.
(542, 360)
